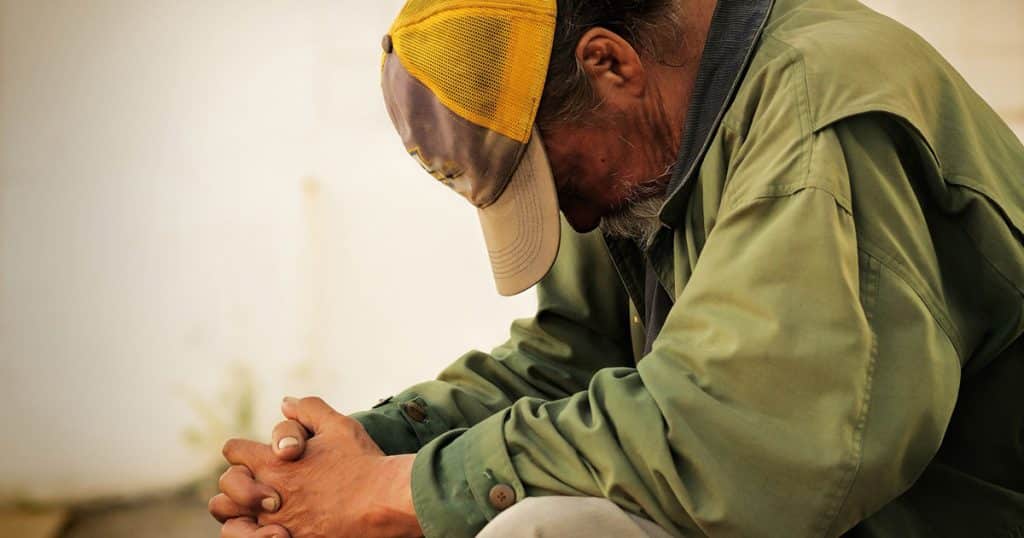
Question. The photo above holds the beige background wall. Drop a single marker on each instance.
(984, 39)
(203, 207)
(192, 187)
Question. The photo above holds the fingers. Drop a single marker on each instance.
(244, 527)
(289, 440)
(222, 508)
(313, 413)
(248, 453)
(244, 492)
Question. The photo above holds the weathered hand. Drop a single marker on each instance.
(243, 498)
(239, 503)
(245, 527)
(342, 486)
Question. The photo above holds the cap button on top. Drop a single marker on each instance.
(386, 44)
(502, 496)
(415, 411)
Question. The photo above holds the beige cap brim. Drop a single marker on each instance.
(522, 227)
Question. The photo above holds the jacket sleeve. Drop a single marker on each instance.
(581, 326)
(797, 385)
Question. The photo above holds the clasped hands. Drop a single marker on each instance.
(322, 476)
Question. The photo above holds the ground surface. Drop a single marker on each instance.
(178, 518)
(31, 523)
(172, 516)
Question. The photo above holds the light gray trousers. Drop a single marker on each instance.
(569, 517)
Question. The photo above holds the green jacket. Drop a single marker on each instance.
(843, 249)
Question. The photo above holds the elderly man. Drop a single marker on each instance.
(787, 301)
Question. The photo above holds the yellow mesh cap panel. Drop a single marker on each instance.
(484, 60)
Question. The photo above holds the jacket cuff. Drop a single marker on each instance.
(463, 479)
(402, 424)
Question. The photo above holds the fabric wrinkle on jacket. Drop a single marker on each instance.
(841, 351)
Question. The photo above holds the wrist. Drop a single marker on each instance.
(402, 511)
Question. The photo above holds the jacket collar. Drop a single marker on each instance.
(736, 28)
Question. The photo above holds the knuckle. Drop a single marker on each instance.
(312, 401)
(234, 527)
(248, 497)
(349, 426)
(223, 480)
(230, 475)
(211, 505)
(221, 514)
(230, 447)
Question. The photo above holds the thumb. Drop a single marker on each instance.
(313, 413)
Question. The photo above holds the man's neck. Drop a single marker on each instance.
(674, 76)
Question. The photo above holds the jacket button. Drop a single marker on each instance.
(502, 496)
(415, 411)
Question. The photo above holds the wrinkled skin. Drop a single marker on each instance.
(369, 491)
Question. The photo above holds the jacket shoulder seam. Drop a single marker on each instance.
(796, 56)
(870, 284)
(794, 60)
(786, 191)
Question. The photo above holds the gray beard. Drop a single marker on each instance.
(638, 219)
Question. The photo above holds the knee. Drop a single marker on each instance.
(530, 518)
(550, 517)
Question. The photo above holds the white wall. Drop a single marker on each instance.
(190, 186)
(983, 39)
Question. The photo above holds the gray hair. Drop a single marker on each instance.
(638, 218)
(646, 24)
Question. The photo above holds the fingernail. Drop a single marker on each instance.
(290, 400)
(287, 442)
(270, 504)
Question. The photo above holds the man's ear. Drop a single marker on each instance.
(612, 65)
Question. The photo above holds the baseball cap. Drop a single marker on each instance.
(462, 81)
